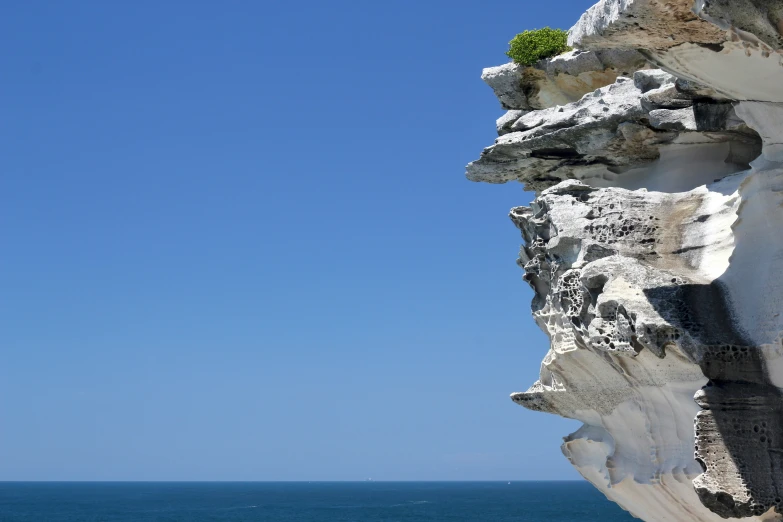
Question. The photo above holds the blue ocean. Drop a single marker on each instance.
(305, 502)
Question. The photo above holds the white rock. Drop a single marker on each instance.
(610, 138)
(561, 79)
(737, 70)
(767, 120)
(504, 123)
(650, 79)
(506, 81)
(655, 253)
(738, 55)
(636, 291)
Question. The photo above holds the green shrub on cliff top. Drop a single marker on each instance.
(530, 46)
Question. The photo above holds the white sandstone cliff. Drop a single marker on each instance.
(655, 249)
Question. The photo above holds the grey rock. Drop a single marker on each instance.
(565, 138)
(506, 81)
(665, 98)
(504, 123)
(607, 133)
(662, 90)
(650, 79)
(576, 62)
(695, 90)
(561, 79)
(728, 49)
(741, 420)
(667, 119)
(761, 18)
(626, 61)
(711, 116)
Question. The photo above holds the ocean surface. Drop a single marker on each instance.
(305, 502)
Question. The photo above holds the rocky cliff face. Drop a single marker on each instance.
(654, 248)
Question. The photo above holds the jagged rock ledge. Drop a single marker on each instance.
(619, 135)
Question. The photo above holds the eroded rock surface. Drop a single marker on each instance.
(654, 251)
(642, 24)
(733, 46)
(561, 79)
(617, 134)
(758, 19)
(638, 294)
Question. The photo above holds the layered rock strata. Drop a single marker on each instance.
(561, 79)
(617, 134)
(654, 251)
(733, 46)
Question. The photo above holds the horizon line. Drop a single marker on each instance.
(360, 481)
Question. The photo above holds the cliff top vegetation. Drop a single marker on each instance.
(528, 47)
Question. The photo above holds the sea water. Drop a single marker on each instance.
(305, 502)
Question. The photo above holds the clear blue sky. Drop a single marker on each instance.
(236, 243)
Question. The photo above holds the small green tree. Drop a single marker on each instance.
(530, 46)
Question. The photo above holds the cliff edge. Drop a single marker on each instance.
(654, 249)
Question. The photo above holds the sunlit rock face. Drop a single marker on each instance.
(654, 249)
(561, 79)
(642, 296)
(733, 46)
(619, 134)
